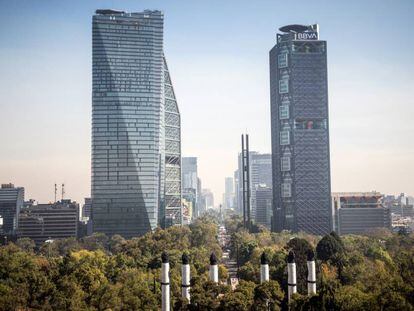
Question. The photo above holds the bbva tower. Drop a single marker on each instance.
(136, 136)
(300, 131)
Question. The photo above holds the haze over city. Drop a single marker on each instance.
(218, 58)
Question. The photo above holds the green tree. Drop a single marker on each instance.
(26, 244)
(268, 296)
(328, 247)
(240, 299)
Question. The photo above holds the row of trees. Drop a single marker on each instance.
(372, 272)
(99, 273)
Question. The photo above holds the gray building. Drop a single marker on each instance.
(264, 203)
(359, 212)
(136, 138)
(11, 201)
(260, 174)
(228, 197)
(87, 208)
(207, 199)
(300, 131)
(42, 222)
(189, 181)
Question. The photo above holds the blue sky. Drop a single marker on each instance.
(218, 57)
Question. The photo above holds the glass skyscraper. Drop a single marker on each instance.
(136, 139)
(300, 131)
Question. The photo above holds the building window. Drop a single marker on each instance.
(284, 112)
(284, 138)
(285, 164)
(310, 124)
(286, 190)
(282, 60)
(283, 86)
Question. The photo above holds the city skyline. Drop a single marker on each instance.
(369, 97)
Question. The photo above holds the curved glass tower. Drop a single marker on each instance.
(134, 142)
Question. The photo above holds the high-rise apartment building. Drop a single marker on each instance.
(300, 131)
(11, 202)
(136, 139)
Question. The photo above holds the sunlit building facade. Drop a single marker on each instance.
(300, 131)
(136, 139)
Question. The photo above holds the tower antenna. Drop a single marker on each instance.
(55, 192)
(63, 191)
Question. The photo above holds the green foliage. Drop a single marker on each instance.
(26, 244)
(373, 272)
(328, 247)
(205, 294)
(268, 296)
(240, 299)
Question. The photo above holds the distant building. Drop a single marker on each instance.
(200, 208)
(399, 205)
(49, 221)
(189, 181)
(237, 204)
(260, 174)
(402, 212)
(264, 202)
(11, 202)
(190, 196)
(87, 208)
(187, 211)
(208, 199)
(358, 212)
(300, 131)
(228, 197)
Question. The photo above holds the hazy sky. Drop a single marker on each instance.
(217, 52)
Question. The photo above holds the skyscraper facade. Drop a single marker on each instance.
(136, 139)
(300, 131)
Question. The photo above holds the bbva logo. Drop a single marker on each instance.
(307, 36)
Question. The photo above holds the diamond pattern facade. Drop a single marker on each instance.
(300, 135)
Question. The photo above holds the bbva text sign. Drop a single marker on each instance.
(310, 35)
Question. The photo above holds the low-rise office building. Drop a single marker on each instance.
(359, 212)
(43, 222)
(11, 201)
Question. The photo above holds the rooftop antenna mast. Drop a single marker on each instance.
(63, 191)
(55, 192)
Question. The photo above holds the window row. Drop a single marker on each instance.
(286, 190)
(283, 86)
(285, 164)
(282, 60)
(284, 138)
(310, 124)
